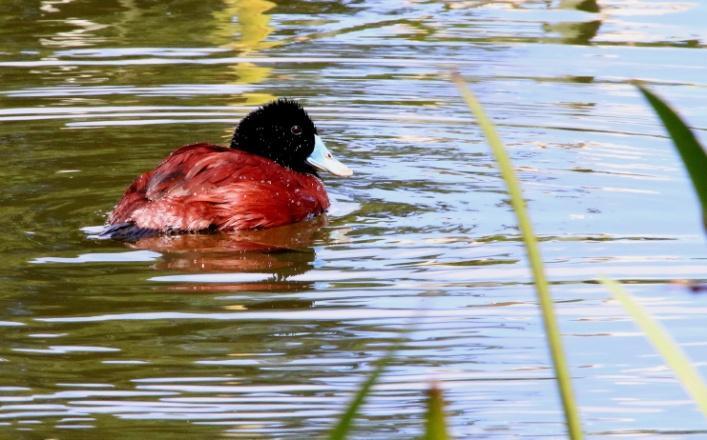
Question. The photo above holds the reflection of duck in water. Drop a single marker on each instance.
(267, 178)
(255, 260)
(283, 251)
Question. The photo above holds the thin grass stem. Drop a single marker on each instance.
(345, 423)
(542, 289)
(673, 355)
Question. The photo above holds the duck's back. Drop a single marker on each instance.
(207, 187)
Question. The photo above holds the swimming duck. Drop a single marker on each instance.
(267, 177)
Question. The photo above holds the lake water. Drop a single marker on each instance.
(192, 337)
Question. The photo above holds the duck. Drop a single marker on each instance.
(267, 177)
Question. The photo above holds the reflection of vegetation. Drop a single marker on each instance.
(251, 28)
(239, 25)
(575, 33)
(423, 31)
(552, 331)
(581, 5)
(580, 32)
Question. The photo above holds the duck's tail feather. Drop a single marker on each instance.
(128, 231)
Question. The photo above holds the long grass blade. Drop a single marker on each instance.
(345, 423)
(552, 330)
(692, 153)
(672, 353)
(436, 426)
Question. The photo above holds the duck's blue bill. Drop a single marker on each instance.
(322, 159)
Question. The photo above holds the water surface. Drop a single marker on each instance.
(191, 336)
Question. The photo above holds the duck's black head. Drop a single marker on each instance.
(283, 132)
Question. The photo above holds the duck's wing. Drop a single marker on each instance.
(222, 189)
(155, 184)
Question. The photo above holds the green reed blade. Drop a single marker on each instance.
(552, 331)
(345, 423)
(689, 148)
(436, 426)
(672, 353)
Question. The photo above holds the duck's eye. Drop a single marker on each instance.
(296, 130)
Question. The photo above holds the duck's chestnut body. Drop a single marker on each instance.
(206, 187)
(266, 178)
